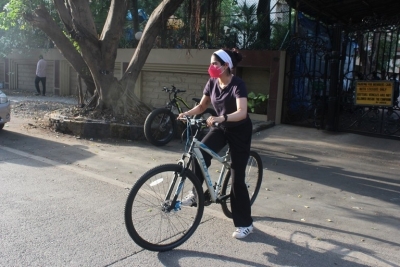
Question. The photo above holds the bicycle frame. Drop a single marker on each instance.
(198, 146)
(194, 153)
(175, 102)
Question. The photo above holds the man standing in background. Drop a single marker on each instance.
(41, 75)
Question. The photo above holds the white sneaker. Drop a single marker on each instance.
(190, 199)
(242, 232)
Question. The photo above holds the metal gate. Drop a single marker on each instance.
(338, 57)
(306, 82)
(370, 53)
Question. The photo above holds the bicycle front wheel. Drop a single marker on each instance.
(253, 179)
(160, 127)
(151, 220)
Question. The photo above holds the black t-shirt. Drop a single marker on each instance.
(224, 100)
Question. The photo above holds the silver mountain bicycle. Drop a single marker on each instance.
(154, 216)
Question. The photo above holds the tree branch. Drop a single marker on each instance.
(42, 20)
(64, 15)
(82, 20)
(157, 19)
(115, 20)
(112, 29)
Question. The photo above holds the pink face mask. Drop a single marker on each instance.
(214, 71)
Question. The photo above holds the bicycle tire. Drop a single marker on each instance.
(148, 222)
(252, 179)
(160, 127)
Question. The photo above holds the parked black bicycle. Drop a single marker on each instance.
(161, 125)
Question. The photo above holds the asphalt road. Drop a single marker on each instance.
(327, 199)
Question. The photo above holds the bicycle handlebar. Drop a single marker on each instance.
(173, 90)
(193, 121)
(199, 122)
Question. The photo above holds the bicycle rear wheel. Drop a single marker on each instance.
(148, 219)
(160, 127)
(253, 179)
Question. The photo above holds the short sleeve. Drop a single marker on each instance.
(241, 90)
(209, 86)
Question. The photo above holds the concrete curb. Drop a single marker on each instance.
(258, 126)
(95, 128)
(99, 129)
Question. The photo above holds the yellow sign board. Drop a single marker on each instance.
(374, 93)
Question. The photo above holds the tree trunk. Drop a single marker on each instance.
(264, 23)
(81, 97)
(97, 56)
(42, 20)
(155, 23)
(135, 16)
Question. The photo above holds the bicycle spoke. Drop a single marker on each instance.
(150, 219)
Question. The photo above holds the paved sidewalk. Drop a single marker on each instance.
(24, 95)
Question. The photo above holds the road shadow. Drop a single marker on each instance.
(287, 254)
(315, 171)
(322, 227)
(12, 143)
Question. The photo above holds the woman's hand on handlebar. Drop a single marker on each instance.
(212, 120)
(182, 116)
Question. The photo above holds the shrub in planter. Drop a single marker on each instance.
(257, 103)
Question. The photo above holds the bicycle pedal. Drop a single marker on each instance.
(223, 198)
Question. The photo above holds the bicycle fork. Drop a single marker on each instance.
(180, 178)
(174, 204)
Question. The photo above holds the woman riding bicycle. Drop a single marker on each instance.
(228, 95)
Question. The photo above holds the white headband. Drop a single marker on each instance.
(225, 57)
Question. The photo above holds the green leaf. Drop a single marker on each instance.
(255, 100)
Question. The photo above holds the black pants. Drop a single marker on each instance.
(43, 80)
(239, 140)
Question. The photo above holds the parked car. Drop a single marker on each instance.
(4, 109)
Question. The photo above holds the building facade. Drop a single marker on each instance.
(184, 68)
